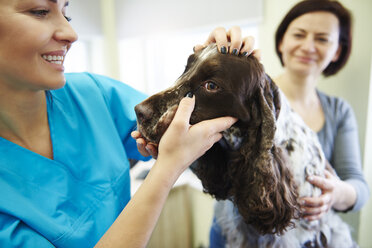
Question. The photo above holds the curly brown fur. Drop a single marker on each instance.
(255, 177)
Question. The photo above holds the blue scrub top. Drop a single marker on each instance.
(72, 200)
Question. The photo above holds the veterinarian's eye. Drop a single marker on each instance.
(210, 86)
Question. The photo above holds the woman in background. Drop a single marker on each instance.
(315, 38)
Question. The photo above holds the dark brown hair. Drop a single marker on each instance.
(344, 17)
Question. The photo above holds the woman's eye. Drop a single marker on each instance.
(211, 86)
(68, 18)
(40, 12)
(298, 35)
(324, 40)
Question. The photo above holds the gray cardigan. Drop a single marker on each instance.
(339, 140)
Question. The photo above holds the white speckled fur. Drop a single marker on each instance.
(306, 157)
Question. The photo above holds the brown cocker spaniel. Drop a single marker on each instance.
(258, 170)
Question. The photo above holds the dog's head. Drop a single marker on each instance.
(245, 167)
(222, 84)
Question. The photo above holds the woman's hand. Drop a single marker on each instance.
(183, 143)
(230, 41)
(144, 147)
(314, 208)
(335, 194)
(180, 145)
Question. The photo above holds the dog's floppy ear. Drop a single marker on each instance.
(212, 169)
(264, 191)
(272, 95)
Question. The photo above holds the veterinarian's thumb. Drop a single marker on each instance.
(185, 108)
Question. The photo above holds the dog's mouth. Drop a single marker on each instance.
(232, 138)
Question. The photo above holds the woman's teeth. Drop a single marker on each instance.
(54, 59)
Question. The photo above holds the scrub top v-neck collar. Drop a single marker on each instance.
(29, 152)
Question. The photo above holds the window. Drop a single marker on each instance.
(153, 63)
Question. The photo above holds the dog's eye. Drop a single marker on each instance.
(211, 86)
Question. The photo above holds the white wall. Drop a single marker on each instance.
(145, 17)
(365, 227)
(86, 17)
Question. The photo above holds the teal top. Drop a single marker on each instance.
(72, 200)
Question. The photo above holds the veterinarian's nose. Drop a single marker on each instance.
(143, 112)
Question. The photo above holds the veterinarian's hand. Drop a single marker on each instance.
(183, 143)
(230, 41)
(145, 148)
(314, 207)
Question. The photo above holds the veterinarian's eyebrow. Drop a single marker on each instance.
(55, 1)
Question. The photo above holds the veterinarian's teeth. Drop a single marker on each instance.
(54, 59)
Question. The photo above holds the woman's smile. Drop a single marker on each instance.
(306, 59)
(41, 37)
(56, 58)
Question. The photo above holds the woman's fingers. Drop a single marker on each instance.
(218, 36)
(184, 110)
(152, 149)
(234, 35)
(217, 125)
(230, 41)
(247, 45)
(326, 184)
(144, 147)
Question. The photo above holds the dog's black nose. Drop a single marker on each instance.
(143, 112)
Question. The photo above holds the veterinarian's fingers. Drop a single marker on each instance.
(185, 108)
(218, 125)
(141, 146)
(218, 36)
(235, 36)
(257, 54)
(179, 126)
(135, 134)
(216, 137)
(198, 48)
(141, 142)
(247, 45)
(152, 150)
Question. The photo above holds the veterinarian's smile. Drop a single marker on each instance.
(54, 59)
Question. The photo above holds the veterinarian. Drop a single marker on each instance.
(65, 141)
(315, 38)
